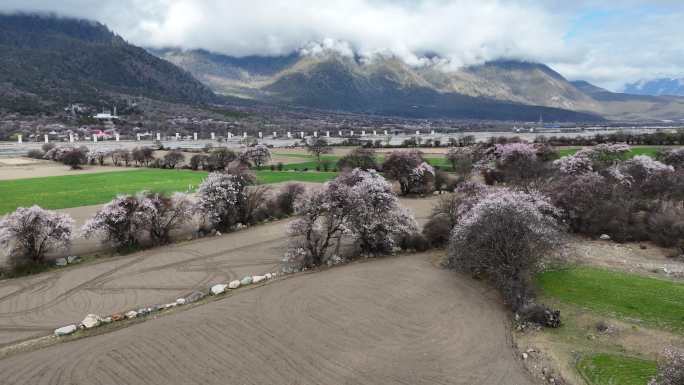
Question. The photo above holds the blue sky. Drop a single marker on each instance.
(609, 43)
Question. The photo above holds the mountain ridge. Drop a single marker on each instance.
(527, 85)
(47, 62)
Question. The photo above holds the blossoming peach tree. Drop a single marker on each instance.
(29, 233)
(359, 204)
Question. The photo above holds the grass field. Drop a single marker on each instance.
(628, 296)
(610, 369)
(89, 189)
(309, 162)
(267, 177)
(650, 151)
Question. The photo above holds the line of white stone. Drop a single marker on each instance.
(93, 320)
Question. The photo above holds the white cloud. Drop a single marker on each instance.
(607, 44)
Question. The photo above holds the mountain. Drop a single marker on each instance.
(47, 62)
(657, 87)
(626, 106)
(503, 90)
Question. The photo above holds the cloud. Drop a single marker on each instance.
(607, 44)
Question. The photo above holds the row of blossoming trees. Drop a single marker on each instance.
(223, 202)
(215, 160)
(502, 228)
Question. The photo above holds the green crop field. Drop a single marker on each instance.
(610, 369)
(267, 177)
(635, 298)
(58, 192)
(309, 162)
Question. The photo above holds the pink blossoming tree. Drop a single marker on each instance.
(29, 233)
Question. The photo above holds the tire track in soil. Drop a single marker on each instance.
(398, 320)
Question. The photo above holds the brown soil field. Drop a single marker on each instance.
(22, 168)
(398, 320)
(35, 305)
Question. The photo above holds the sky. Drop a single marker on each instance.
(608, 43)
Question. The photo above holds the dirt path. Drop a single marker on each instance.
(392, 321)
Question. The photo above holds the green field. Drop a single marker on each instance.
(610, 369)
(267, 177)
(650, 151)
(631, 297)
(309, 162)
(89, 189)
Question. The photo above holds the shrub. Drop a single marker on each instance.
(288, 194)
(437, 230)
(673, 157)
(98, 155)
(574, 164)
(362, 158)
(199, 161)
(541, 315)
(421, 179)
(503, 237)
(317, 146)
(121, 155)
(518, 163)
(219, 159)
(670, 369)
(74, 158)
(400, 166)
(142, 155)
(280, 166)
(546, 152)
(666, 226)
(461, 159)
(255, 200)
(47, 147)
(441, 181)
(173, 158)
(585, 200)
(258, 155)
(36, 154)
(28, 234)
(117, 222)
(414, 241)
(159, 214)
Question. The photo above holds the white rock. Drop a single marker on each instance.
(246, 281)
(107, 320)
(131, 314)
(258, 278)
(91, 321)
(605, 237)
(234, 284)
(218, 289)
(65, 330)
(268, 275)
(60, 262)
(73, 259)
(180, 301)
(524, 356)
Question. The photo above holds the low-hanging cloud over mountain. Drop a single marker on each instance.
(607, 44)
